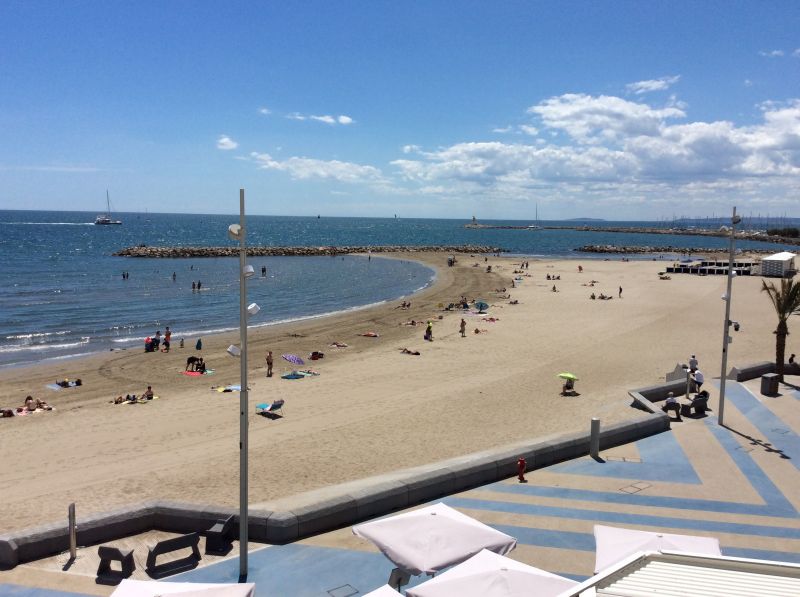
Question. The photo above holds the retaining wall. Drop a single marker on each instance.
(328, 508)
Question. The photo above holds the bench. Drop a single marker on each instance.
(110, 554)
(218, 537)
(190, 541)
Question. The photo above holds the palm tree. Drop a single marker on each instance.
(786, 301)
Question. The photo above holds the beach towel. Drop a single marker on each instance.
(232, 388)
(140, 400)
(307, 373)
(198, 373)
(293, 375)
(56, 387)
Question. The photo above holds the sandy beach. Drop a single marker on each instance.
(372, 409)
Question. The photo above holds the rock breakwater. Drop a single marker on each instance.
(233, 251)
(668, 249)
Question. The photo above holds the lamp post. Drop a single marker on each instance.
(726, 327)
(237, 232)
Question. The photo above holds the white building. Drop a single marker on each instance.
(779, 265)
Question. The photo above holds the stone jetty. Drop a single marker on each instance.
(233, 251)
(668, 249)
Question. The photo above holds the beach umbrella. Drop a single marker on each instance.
(432, 538)
(490, 575)
(481, 306)
(613, 544)
(293, 358)
(384, 591)
(152, 588)
(566, 375)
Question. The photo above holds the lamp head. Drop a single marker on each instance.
(253, 309)
(248, 271)
(234, 231)
(736, 219)
(234, 351)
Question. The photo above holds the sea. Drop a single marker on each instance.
(63, 294)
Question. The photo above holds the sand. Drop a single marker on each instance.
(372, 409)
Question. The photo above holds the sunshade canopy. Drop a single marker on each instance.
(490, 575)
(614, 544)
(152, 588)
(432, 538)
(384, 591)
(566, 375)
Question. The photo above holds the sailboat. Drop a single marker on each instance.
(105, 219)
(536, 225)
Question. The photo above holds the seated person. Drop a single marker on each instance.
(569, 386)
(200, 365)
(6, 412)
(31, 403)
(672, 403)
(148, 394)
(118, 400)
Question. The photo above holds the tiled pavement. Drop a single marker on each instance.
(739, 483)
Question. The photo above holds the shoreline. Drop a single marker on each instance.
(372, 409)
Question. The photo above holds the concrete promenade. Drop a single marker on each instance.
(739, 483)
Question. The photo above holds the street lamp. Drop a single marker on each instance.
(726, 328)
(237, 232)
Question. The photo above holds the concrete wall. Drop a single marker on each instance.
(332, 507)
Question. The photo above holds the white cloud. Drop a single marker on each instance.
(326, 119)
(641, 87)
(771, 53)
(610, 145)
(590, 119)
(796, 53)
(411, 148)
(748, 83)
(504, 129)
(529, 130)
(226, 143)
(265, 111)
(301, 168)
(342, 119)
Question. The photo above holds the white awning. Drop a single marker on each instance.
(673, 574)
(784, 256)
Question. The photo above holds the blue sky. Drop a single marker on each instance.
(618, 110)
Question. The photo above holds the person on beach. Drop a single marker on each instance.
(148, 394)
(429, 332)
(698, 378)
(199, 345)
(269, 363)
(157, 341)
(672, 403)
(407, 351)
(693, 363)
(620, 292)
(791, 359)
(167, 338)
(463, 328)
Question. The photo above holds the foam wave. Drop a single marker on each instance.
(44, 346)
(36, 335)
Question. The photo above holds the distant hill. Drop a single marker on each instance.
(585, 220)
